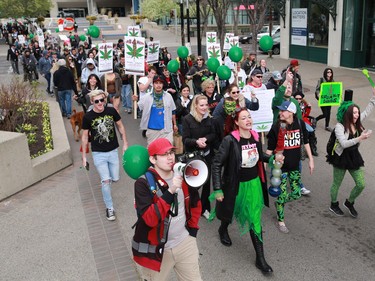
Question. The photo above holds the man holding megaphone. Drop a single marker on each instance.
(168, 211)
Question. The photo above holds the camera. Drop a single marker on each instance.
(187, 156)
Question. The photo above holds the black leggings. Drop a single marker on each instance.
(326, 114)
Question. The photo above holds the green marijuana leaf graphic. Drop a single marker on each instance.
(211, 39)
(154, 49)
(106, 55)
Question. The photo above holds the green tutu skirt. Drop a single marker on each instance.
(248, 207)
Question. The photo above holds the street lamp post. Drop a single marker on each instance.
(182, 23)
(199, 43)
(188, 20)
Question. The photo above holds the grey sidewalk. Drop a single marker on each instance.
(57, 230)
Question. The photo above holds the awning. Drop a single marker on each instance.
(243, 7)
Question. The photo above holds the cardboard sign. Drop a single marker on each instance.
(330, 94)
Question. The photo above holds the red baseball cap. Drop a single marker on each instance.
(159, 146)
(294, 63)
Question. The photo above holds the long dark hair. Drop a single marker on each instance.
(230, 121)
(325, 74)
(348, 120)
(98, 83)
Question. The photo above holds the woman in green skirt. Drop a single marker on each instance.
(241, 190)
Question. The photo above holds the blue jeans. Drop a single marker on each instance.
(309, 128)
(65, 101)
(108, 166)
(126, 96)
(48, 78)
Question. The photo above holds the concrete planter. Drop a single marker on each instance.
(18, 170)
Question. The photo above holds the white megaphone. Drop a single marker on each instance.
(194, 172)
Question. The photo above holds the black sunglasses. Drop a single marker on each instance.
(235, 92)
(99, 100)
(259, 76)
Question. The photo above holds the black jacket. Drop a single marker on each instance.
(193, 130)
(63, 79)
(229, 157)
(13, 56)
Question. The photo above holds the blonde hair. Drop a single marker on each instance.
(95, 93)
(193, 109)
(206, 83)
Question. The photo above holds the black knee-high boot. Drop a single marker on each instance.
(224, 235)
(260, 262)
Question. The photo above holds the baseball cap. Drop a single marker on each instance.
(159, 146)
(276, 75)
(45, 52)
(158, 78)
(294, 63)
(288, 106)
(256, 72)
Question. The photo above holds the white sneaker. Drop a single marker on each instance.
(110, 213)
(206, 214)
(305, 191)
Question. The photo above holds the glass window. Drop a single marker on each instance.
(348, 26)
(318, 25)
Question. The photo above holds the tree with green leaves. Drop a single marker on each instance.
(24, 8)
(157, 9)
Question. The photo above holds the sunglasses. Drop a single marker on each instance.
(235, 92)
(259, 76)
(99, 100)
(298, 98)
(200, 59)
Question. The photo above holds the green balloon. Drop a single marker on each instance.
(72, 37)
(224, 72)
(213, 64)
(94, 31)
(266, 43)
(57, 30)
(135, 161)
(173, 66)
(31, 36)
(235, 54)
(82, 37)
(183, 52)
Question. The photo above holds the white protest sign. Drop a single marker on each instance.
(211, 38)
(263, 117)
(21, 39)
(134, 31)
(153, 52)
(105, 54)
(135, 55)
(227, 45)
(39, 33)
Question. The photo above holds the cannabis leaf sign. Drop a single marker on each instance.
(153, 49)
(106, 55)
(133, 32)
(211, 38)
(241, 84)
(262, 127)
(134, 52)
(214, 53)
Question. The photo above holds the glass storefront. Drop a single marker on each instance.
(309, 31)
